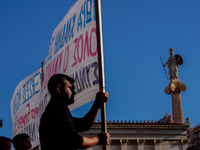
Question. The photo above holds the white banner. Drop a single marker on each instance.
(73, 51)
(25, 107)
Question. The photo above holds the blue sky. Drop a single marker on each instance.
(135, 35)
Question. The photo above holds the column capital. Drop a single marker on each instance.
(140, 141)
(157, 141)
(123, 141)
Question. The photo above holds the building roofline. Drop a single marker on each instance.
(129, 122)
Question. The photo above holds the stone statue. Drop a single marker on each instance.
(172, 65)
(173, 62)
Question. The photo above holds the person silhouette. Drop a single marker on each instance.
(58, 128)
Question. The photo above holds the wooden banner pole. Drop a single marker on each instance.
(101, 64)
(42, 66)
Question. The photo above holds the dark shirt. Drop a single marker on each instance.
(59, 130)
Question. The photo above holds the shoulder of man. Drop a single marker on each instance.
(56, 107)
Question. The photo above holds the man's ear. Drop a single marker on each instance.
(58, 88)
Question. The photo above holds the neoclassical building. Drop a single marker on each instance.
(146, 135)
(134, 135)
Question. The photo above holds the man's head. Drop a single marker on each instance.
(61, 87)
(22, 142)
(5, 143)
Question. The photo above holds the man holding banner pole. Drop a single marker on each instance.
(58, 128)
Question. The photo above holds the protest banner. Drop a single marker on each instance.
(25, 107)
(73, 51)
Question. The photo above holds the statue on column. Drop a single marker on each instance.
(173, 63)
(175, 86)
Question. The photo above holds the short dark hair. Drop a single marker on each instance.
(4, 139)
(57, 79)
(22, 137)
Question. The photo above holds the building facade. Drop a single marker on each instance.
(194, 138)
(130, 135)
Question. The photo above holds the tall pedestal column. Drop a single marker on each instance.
(177, 106)
(174, 88)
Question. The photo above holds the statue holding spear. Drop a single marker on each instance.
(173, 63)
